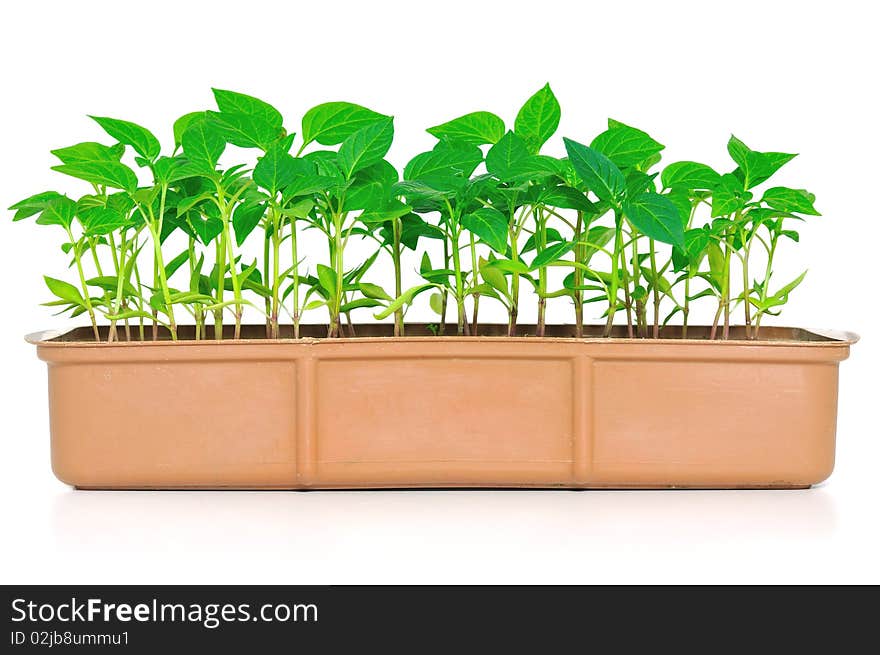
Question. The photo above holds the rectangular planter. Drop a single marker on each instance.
(376, 412)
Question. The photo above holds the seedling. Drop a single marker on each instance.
(484, 214)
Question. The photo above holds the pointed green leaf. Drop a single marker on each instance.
(689, 175)
(366, 147)
(132, 134)
(406, 298)
(33, 204)
(373, 291)
(538, 119)
(782, 294)
(564, 197)
(598, 172)
(111, 284)
(58, 211)
(755, 167)
(64, 290)
(276, 169)
(232, 102)
(478, 128)
(551, 254)
(89, 151)
(796, 201)
(493, 276)
(103, 221)
(490, 225)
(102, 173)
(245, 218)
(443, 162)
(728, 196)
(626, 146)
(203, 145)
(656, 217)
(328, 279)
(183, 123)
(333, 122)
(245, 130)
(436, 302)
(502, 158)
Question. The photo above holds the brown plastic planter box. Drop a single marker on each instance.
(444, 412)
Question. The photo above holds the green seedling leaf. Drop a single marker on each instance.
(232, 102)
(102, 173)
(478, 128)
(755, 167)
(689, 175)
(245, 218)
(203, 144)
(33, 204)
(443, 162)
(783, 293)
(503, 157)
(205, 226)
(373, 291)
(135, 313)
(796, 201)
(88, 152)
(626, 146)
(132, 134)
(111, 284)
(656, 217)
(169, 170)
(597, 238)
(333, 122)
(58, 211)
(716, 260)
(103, 220)
(327, 279)
(490, 226)
(550, 236)
(183, 123)
(538, 119)
(682, 201)
(360, 302)
(172, 266)
(276, 170)
(598, 172)
(494, 277)
(728, 196)
(551, 254)
(436, 303)
(245, 130)
(64, 290)
(511, 266)
(536, 167)
(366, 147)
(565, 197)
(190, 298)
(406, 298)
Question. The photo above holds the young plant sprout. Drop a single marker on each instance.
(481, 216)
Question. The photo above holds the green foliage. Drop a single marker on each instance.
(491, 217)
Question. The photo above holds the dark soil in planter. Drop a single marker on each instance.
(374, 330)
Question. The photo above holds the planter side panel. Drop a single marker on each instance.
(443, 415)
(136, 424)
(714, 422)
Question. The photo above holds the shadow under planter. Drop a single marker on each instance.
(488, 411)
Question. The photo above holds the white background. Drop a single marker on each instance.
(796, 77)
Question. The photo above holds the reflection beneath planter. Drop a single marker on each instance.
(290, 535)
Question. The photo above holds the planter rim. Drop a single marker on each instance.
(826, 339)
